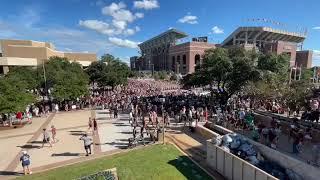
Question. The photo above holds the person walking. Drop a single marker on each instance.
(115, 111)
(90, 123)
(87, 141)
(25, 160)
(46, 137)
(54, 133)
(95, 126)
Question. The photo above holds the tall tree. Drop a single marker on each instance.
(226, 71)
(27, 75)
(67, 79)
(14, 96)
(109, 71)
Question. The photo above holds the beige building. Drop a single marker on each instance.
(33, 53)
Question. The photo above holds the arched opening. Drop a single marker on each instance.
(173, 65)
(178, 59)
(184, 59)
(197, 59)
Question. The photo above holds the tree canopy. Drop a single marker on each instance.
(14, 95)
(226, 71)
(66, 79)
(109, 71)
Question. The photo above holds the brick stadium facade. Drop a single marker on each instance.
(163, 53)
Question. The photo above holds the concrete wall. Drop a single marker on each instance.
(232, 167)
(39, 53)
(307, 171)
(13, 61)
(81, 56)
(304, 59)
(266, 117)
(205, 132)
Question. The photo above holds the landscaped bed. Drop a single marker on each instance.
(153, 162)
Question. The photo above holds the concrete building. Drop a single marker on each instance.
(164, 53)
(304, 59)
(34, 53)
(265, 39)
(185, 57)
(155, 51)
(133, 63)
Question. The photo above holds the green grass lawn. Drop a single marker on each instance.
(153, 162)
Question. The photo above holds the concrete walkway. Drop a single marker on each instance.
(112, 136)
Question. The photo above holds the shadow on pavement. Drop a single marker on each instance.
(10, 173)
(29, 146)
(117, 123)
(130, 132)
(65, 154)
(122, 125)
(36, 142)
(102, 118)
(103, 113)
(78, 134)
(76, 131)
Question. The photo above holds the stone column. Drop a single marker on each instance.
(5, 69)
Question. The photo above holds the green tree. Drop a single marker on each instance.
(274, 77)
(67, 79)
(226, 71)
(109, 71)
(27, 75)
(14, 96)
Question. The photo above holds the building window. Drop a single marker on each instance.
(197, 59)
(173, 65)
(178, 59)
(184, 59)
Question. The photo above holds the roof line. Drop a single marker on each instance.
(166, 32)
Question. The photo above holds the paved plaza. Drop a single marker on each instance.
(112, 135)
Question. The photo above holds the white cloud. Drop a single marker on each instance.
(139, 15)
(146, 4)
(119, 24)
(64, 38)
(121, 17)
(316, 28)
(120, 13)
(123, 42)
(217, 30)
(189, 19)
(99, 26)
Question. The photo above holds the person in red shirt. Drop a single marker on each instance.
(19, 116)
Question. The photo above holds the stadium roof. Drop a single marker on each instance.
(265, 34)
(171, 32)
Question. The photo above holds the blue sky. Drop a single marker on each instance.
(115, 27)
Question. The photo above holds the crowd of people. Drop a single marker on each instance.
(153, 104)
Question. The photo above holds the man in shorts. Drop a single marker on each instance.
(25, 160)
(87, 141)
